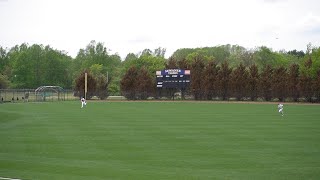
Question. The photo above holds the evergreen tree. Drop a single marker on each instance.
(293, 82)
(80, 85)
(145, 84)
(211, 80)
(224, 80)
(128, 84)
(279, 83)
(266, 82)
(316, 86)
(239, 82)
(197, 69)
(253, 82)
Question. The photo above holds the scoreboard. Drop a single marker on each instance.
(173, 78)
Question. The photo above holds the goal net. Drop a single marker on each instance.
(50, 93)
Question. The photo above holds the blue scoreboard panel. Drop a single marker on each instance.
(173, 78)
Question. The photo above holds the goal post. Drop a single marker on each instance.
(45, 93)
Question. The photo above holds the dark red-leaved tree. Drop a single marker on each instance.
(279, 83)
(80, 85)
(224, 78)
(266, 82)
(197, 70)
(305, 86)
(211, 80)
(316, 86)
(293, 82)
(253, 82)
(305, 81)
(128, 84)
(102, 87)
(145, 84)
(239, 82)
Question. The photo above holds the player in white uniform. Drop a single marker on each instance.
(280, 109)
(83, 102)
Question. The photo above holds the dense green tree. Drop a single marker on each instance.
(4, 59)
(130, 57)
(299, 54)
(57, 67)
(263, 56)
(4, 82)
(148, 60)
(146, 52)
(219, 53)
(315, 56)
(159, 52)
(294, 57)
(101, 81)
(281, 58)
(181, 54)
(171, 63)
(24, 66)
(30, 66)
(96, 69)
(198, 55)
(110, 64)
(238, 55)
(36, 65)
(246, 58)
(4, 67)
(96, 53)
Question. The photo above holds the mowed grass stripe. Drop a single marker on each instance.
(151, 140)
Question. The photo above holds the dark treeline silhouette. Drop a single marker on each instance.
(241, 83)
(213, 81)
(234, 73)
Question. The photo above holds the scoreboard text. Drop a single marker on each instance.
(173, 78)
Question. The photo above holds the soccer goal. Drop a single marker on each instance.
(50, 93)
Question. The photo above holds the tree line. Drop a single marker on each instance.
(220, 72)
(211, 80)
(268, 79)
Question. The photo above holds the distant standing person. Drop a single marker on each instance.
(280, 108)
(83, 102)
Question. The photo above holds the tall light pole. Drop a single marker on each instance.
(85, 85)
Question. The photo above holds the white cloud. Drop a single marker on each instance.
(127, 26)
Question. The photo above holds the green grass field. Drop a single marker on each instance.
(158, 140)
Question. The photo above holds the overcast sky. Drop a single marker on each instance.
(126, 26)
